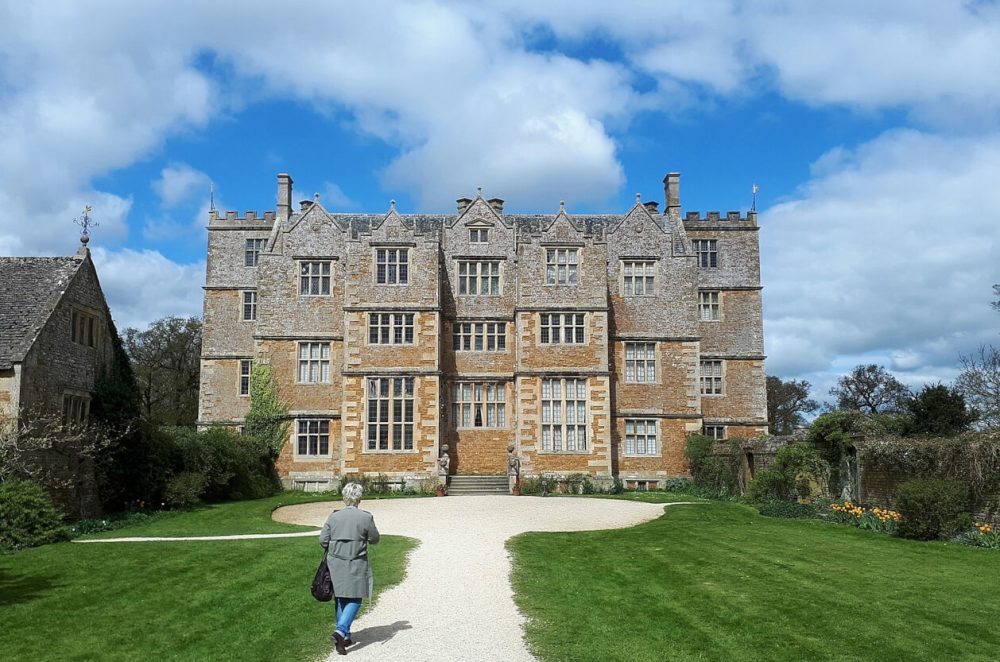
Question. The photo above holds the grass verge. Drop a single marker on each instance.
(716, 581)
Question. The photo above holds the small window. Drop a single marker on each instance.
(76, 409)
(83, 328)
(561, 328)
(479, 405)
(709, 306)
(714, 431)
(312, 438)
(314, 278)
(246, 365)
(314, 362)
(711, 377)
(639, 278)
(251, 255)
(390, 328)
(479, 235)
(249, 306)
(392, 266)
(707, 251)
(479, 277)
(640, 362)
(561, 266)
(640, 436)
(480, 337)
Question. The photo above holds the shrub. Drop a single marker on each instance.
(770, 485)
(677, 485)
(113, 522)
(933, 508)
(185, 489)
(27, 516)
(714, 472)
(531, 486)
(789, 509)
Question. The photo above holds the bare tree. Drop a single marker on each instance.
(786, 404)
(979, 381)
(871, 389)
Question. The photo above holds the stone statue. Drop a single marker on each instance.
(444, 461)
(513, 466)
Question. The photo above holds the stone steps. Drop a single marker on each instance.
(469, 485)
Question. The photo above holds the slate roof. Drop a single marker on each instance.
(30, 288)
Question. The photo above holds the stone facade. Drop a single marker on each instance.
(582, 340)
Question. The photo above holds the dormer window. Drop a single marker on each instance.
(479, 235)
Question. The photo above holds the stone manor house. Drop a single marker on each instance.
(593, 344)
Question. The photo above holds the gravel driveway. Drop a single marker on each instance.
(456, 602)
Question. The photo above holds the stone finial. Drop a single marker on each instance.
(562, 206)
(392, 208)
(479, 191)
(638, 198)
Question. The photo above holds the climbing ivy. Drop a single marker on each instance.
(267, 419)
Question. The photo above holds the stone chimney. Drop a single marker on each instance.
(672, 189)
(497, 204)
(463, 204)
(284, 196)
(652, 207)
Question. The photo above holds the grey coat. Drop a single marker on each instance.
(346, 535)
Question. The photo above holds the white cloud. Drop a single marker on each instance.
(891, 251)
(143, 286)
(179, 182)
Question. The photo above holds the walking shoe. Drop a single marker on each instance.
(348, 643)
(339, 642)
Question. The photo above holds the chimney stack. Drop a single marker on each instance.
(497, 204)
(672, 189)
(463, 204)
(284, 196)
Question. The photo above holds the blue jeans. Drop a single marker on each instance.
(347, 609)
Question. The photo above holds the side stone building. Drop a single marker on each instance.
(592, 344)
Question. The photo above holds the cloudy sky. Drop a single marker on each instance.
(872, 129)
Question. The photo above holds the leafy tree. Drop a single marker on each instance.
(871, 389)
(267, 417)
(979, 382)
(786, 404)
(939, 410)
(166, 362)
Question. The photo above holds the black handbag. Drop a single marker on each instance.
(322, 586)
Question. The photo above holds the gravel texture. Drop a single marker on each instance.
(456, 601)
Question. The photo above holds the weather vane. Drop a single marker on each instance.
(753, 199)
(86, 222)
(211, 199)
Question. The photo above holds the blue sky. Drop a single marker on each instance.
(873, 130)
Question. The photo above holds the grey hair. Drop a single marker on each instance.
(352, 494)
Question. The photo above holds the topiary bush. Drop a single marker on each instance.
(933, 508)
(27, 516)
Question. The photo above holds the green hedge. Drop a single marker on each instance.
(27, 516)
(933, 508)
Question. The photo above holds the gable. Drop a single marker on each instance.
(32, 289)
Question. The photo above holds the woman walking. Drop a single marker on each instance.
(346, 536)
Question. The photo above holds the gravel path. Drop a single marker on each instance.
(456, 601)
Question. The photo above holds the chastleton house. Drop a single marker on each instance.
(593, 343)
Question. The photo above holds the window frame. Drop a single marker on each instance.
(553, 276)
(707, 252)
(323, 278)
(477, 400)
(634, 437)
(555, 414)
(479, 235)
(252, 249)
(249, 298)
(389, 325)
(385, 415)
(478, 272)
(717, 386)
(713, 427)
(308, 361)
(644, 362)
(75, 409)
(322, 430)
(647, 277)
(466, 339)
(400, 274)
(707, 305)
(245, 376)
(84, 330)
(550, 333)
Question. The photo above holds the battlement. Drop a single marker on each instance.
(714, 217)
(249, 217)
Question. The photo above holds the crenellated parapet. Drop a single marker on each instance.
(249, 217)
(715, 218)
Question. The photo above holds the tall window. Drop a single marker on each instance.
(312, 438)
(708, 306)
(639, 277)
(640, 436)
(561, 328)
(390, 328)
(640, 362)
(561, 266)
(314, 278)
(76, 409)
(246, 365)
(479, 277)
(251, 254)
(707, 251)
(249, 305)
(390, 414)
(480, 337)
(479, 235)
(83, 328)
(564, 415)
(478, 405)
(392, 266)
(314, 362)
(711, 377)
(714, 431)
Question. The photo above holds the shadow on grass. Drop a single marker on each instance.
(378, 634)
(15, 589)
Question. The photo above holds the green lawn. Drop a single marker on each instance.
(715, 581)
(238, 600)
